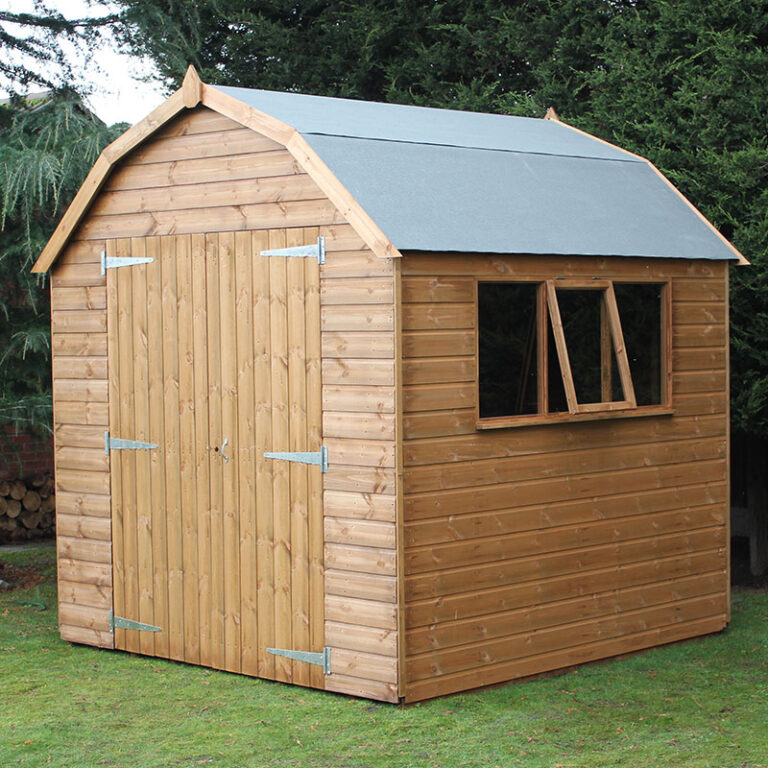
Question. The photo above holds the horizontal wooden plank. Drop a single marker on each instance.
(79, 321)
(250, 165)
(84, 572)
(85, 594)
(346, 557)
(231, 218)
(372, 426)
(87, 504)
(438, 289)
(541, 267)
(374, 480)
(712, 290)
(212, 144)
(198, 120)
(79, 344)
(438, 343)
(367, 317)
(368, 666)
(360, 263)
(363, 506)
(565, 462)
(561, 637)
(88, 459)
(355, 291)
(78, 412)
(698, 359)
(544, 439)
(364, 399)
(364, 453)
(81, 481)
(77, 275)
(699, 381)
(541, 567)
(79, 297)
(684, 313)
(86, 636)
(432, 317)
(341, 237)
(437, 397)
(358, 344)
(568, 488)
(701, 404)
(588, 606)
(356, 638)
(82, 252)
(82, 527)
(361, 532)
(473, 603)
(87, 550)
(439, 423)
(503, 546)
(532, 665)
(74, 367)
(356, 686)
(439, 370)
(85, 390)
(366, 613)
(206, 194)
(79, 436)
(84, 616)
(366, 586)
(699, 335)
(377, 373)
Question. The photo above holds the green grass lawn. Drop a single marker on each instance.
(701, 703)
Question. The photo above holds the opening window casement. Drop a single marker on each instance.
(569, 348)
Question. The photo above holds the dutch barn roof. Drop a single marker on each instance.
(427, 179)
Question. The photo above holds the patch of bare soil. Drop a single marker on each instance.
(12, 577)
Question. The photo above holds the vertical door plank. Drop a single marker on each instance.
(127, 458)
(115, 462)
(262, 374)
(297, 441)
(187, 447)
(172, 446)
(202, 489)
(141, 431)
(157, 462)
(246, 442)
(280, 470)
(231, 529)
(214, 459)
(313, 361)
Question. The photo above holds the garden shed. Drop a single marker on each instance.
(385, 400)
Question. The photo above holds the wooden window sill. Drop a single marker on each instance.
(535, 419)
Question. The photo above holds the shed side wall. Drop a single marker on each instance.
(206, 173)
(80, 417)
(531, 549)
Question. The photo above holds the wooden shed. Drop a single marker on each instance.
(385, 400)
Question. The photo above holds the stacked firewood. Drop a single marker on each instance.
(26, 508)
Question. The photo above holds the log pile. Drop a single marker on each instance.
(27, 508)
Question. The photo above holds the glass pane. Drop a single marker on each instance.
(640, 312)
(507, 349)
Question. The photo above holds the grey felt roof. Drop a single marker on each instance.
(443, 180)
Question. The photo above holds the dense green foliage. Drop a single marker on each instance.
(46, 149)
(696, 704)
(683, 83)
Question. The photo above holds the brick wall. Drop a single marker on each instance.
(24, 454)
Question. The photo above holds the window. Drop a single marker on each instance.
(570, 346)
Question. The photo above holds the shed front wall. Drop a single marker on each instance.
(204, 174)
(529, 549)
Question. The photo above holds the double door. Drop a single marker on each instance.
(214, 358)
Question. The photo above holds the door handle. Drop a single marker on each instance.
(223, 448)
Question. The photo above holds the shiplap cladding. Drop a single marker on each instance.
(204, 173)
(530, 549)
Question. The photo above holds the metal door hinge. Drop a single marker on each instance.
(118, 444)
(118, 622)
(320, 659)
(319, 457)
(316, 250)
(113, 262)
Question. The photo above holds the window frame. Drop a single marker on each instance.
(612, 341)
